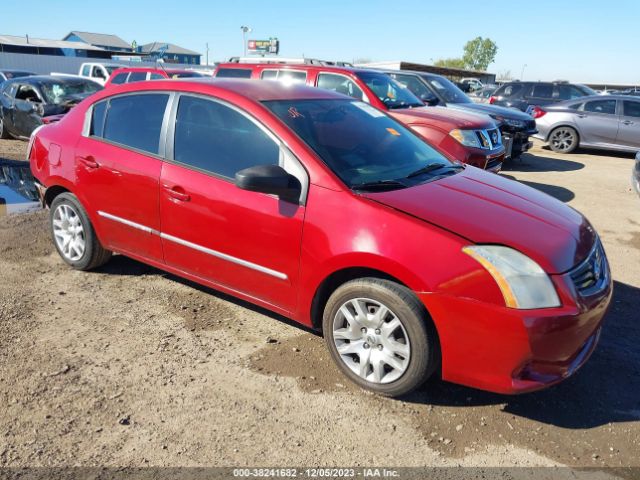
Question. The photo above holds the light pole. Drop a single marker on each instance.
(245, 30)
(522, 72)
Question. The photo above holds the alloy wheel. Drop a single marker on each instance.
(371, 340)
(68, 232)
(563, 139)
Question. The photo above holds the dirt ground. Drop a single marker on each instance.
(130, 366)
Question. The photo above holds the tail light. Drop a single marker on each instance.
(538, 112)
(492, 99)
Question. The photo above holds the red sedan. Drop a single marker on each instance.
(321, 208)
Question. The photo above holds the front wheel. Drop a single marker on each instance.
(563, 140)
(74, 236)
(3, 130)
(380, 336)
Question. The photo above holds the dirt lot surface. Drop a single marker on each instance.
(130, 366)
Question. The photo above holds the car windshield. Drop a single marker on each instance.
(362, 145)
(391, 93)
(61, 92)
(588, 90)
(447, 90)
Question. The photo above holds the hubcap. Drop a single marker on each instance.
(68, 232)
(371, 340)
(563, 139)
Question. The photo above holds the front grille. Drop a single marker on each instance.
(489, 139)
(592, 275)
(531, 125)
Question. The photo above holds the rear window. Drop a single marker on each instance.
(135, 121)
(234, 73)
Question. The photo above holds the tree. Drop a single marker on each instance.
(450, 63)
(479, 53)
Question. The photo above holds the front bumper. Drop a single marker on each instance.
(511, 351)
(518, 142)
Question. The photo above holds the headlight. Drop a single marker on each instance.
(466, 137)
(522, 281)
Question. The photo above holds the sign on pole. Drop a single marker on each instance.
(262, 47)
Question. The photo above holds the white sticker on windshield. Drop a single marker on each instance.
(369, 109)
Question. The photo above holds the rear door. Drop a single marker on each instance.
(598, 122)
(629, 129)
(245, 241)
(118, 163)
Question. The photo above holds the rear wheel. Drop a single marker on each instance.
(74, 236)
(380, 336)
(563, 140)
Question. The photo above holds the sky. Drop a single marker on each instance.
(578, 41)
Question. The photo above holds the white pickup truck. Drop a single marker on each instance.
(98, 72)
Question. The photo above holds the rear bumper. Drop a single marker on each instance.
(511, 351)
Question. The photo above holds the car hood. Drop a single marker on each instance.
(486, 208)
(494, 110)
(451, 118)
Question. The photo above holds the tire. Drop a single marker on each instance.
(563, 139)
(409, 345)
(74, 236)
(4, 134)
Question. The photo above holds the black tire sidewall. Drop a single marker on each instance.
(89, 234)
(414, 319)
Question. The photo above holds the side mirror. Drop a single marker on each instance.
(431, 101)
(270, 179)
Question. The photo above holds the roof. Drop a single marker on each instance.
(45, 43)
(296, 66)
(104, 39)
(419, 67)
(174, 49)
(256, 91)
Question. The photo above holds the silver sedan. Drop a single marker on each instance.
(609, 122)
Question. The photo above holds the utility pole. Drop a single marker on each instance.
(207, 50)
(245, 30)
(522, 72)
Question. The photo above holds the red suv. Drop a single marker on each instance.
(140, 74)
(328, 211)
(471, 138)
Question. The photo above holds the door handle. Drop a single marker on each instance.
(88, 161)
(627, 122)
(177, 193)
(581, 115)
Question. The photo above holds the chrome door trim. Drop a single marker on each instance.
(224, 256)
(129, 223)
(195, 246)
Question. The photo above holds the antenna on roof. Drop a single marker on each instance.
(27, 37)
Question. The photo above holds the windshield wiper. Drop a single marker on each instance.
(432, 167)
(379, 185)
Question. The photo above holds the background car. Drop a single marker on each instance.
(482, 95)
(523, 95)
(6, 74)
(28, 102)
(139, 74)
(432, 89)
(609, 122)
(330, 212)
(635, 178)
(468, 137)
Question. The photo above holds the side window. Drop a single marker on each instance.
(97, 72)
(216, 138)
(233, 73)
(27, 93)
(631, 109)
(416, 86)
(542, 90)
(292, 76)
(136, 120)
(97, 119)
(340, 84)
(120, 78)
(510, 90)
(269, 75)
(575, 106)
(156, 76)
(137, 77)
(601, 106)
(86, 71)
